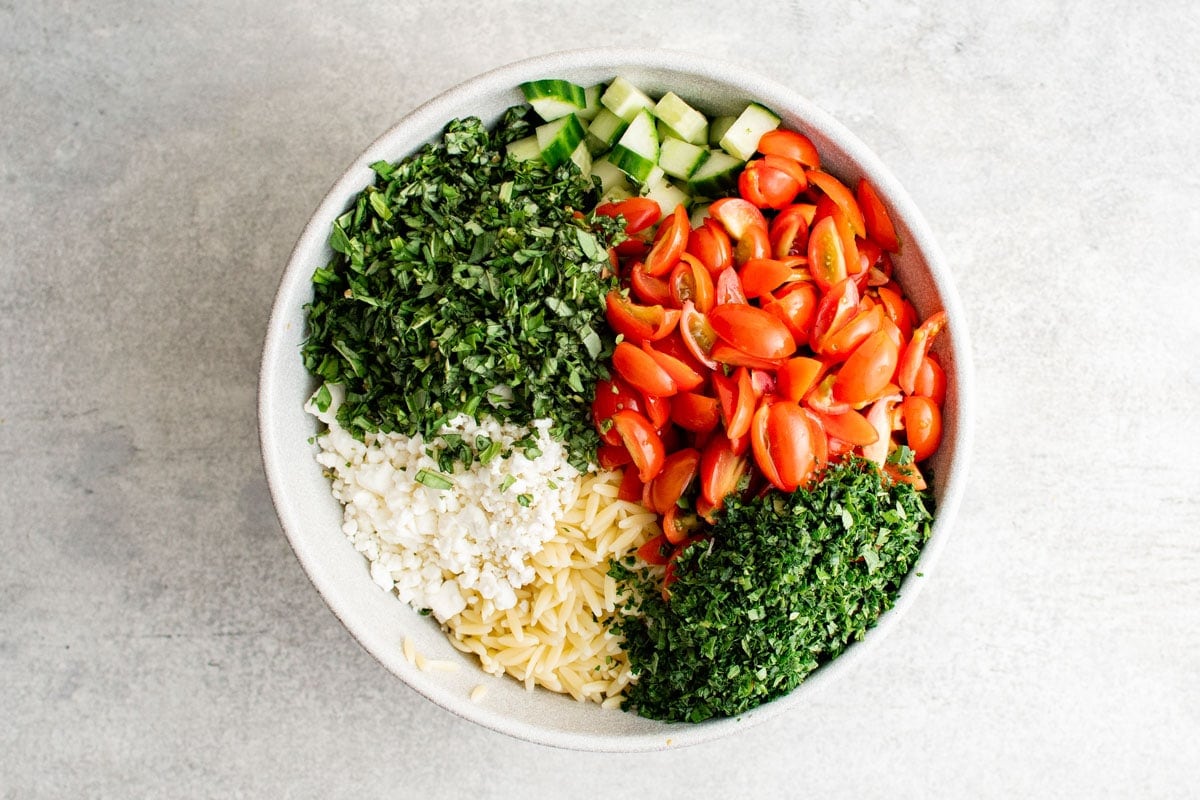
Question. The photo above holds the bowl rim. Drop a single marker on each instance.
(434, 111)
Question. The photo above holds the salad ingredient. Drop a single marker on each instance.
(557, 635)
(782, 584)
(466, 282)
(438, 533)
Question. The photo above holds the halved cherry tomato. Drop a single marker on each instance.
(631, 485)
(678, 525)
(763, 382)
(868, 370)
(767, 185)
(918, 346)
(880, 416)
(931, 380)
(649, 289)
(797, 375)
(657, 551)
(636, 322)
(720, 471)
(899, 310)
(611, 456)
(869, 253)
(796, 310)
(826, 256)
(875, 217)
(755, 244)
(658, 411)
(695, 412)
(762, 275)
(789, 230)
(922, 425)
(691, 280)
(684, 377)
(611, 396)
(790, 144)
(642, 441)
(737, 216)
(790, 437)
(725, 353)
(836, 308)
(698, 336)
(820, 397)
(760, 445)
(639, 213)
(669, 243)
(729, 288)
(838, 193)
(735, 398)
(850, 427)
(752, 330)
(710, 243)
(642, 371)
(678, 470)
(839, 344)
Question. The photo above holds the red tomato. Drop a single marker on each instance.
(611, 456)
(790, 144)
(695, 412)
(790, 436)
(839, 344)
(789, 230)
(880, 417)
(836, 308)
(899, 310)
(668, 486)
(762, 275)
(931, 380)
(729, 288)
(720, 471)
(755, 244)
(639, 213)
(724, 353)
(684, 377)
(631, 485)
(669, 243)
(698, 336)
(918, 346)
(820, 397)
(658, 411)
(737, 216)
(797, 375)
(760, 445)
(735, 397)
(868, 370)
(922, 426)
(766, 185)
(826, 255)
(850, 427)
(710, 243)
(752, 330)
(638, 323)
(875, 217)
(642, 371)
(657, 551)
(647, 288)
(796, 310)
(612, 396)
(839, 194)
(642, 441)
(691, 280)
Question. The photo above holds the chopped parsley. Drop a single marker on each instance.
(784, 583)
(464, 281)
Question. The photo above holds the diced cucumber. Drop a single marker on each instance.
(625, 100)
(667, 195)
(636, 152)
(717, 128)
(619, 192)
(686, 122)
(604, 131)
(591, 106)
(656, 176)
(741, 139)
(611, 177)
(558, 139)
(716, 175)
(553, 99)
(680, 159)
(582, 158)
(526, 149)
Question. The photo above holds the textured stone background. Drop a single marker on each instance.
(157, 162)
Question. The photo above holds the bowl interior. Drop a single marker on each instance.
(311, 518)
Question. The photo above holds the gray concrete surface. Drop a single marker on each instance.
(157, 161)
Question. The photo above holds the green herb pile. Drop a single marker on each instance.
(467, 282)
(784, 584)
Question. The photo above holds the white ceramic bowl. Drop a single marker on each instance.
(311, 518)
